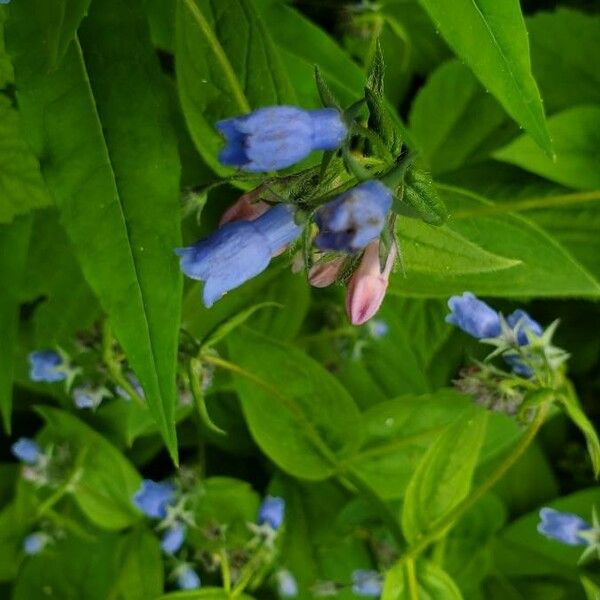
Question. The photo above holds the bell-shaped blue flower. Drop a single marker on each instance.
(354, 219)
(366, 583)
(276, 137)
(287, 586)
(474, 316)
(563, 527)
(173, 538)
(187, 578)
(153, 497)
(271, 512)
(521, 323)
(46, 365)
(135, 383)
(34, 543)
(26, 450)
(238, 251)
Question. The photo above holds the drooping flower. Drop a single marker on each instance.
(173, 538)
(135, 383)
(323, 273)
(474, 316)
(366, 583)
(238, 251)
(521, 323)
(368, 285)
(245, 208)
(276, 137)
(287, 586)
(153, 497)
(86, 396)
(26, 450)
(354, 219)
(46, 365)
(187, 578)
(34, 543)
(563, 527)
(272, 512)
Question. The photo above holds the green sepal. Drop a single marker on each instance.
(420, 193)
(387, 239)
(327, 97)
(195, 374)
(535, 398)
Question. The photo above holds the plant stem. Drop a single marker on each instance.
(411, 579)
(225, 572)
(497, 474)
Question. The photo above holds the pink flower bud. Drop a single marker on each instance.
(368, 285)
(245, 209)
(323, 274)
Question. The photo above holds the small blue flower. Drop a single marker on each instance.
(153, 497)
(287, 586)
(366, 583)
(187, 578)
(86, 396)
(521, 322)
(173, 538)
(563, 527)
(354, 219)
(46, 365)
(238, 251)
(518, 366)
(34, 543)
(276, 137)
(474, 316)
(135, 383)
(272, 511)
(26, 450)
(378, 328)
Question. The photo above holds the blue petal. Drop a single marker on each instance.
(474, 316)
(153, 497)
(234, 153)
(520, 321)
(563, 527)
(26, 450)
(329, 129)
(272, 511)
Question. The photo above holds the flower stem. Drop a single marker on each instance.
(411, 579)
(495, 476)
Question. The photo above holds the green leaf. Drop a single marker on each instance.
(89, 120)
(202, 594)
(108, 480)
(451, 137)
(545, 267)
(6, 70)
(21, 185)
(491, 38)
(226, 65)
(298, 413)
(577, 146)
(140, 564)
(561, 45)
(442, 478)
(433, 583)
(14, 243)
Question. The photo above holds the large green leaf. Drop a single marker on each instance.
(14, 243)
(6, 71)
(298, 413)
(491, 38)
(545, 267)
(21, 185)
(562, 43)
(108, 481)
(443, 476)
(226, 65)
(432, 583)
(114, 178)
(577, 143)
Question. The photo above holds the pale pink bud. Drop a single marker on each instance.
(368, 285)
(245, 208)
(323, 274)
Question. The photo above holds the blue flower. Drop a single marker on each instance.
(563, 527)
(276, 137)
(287, 586)
(46, 365)
(85, 396)
(354, 219)
(34, 543)
(135, 383)
(26, 450)
(517, 365)
(187, 578)
(378, 328)
(521, 322)
(238, 251)
(474, 316)
(173, 538)
(153, 497)
(272, 511)
(366, 583)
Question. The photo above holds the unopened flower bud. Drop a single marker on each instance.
(368, 285)
(245, 208)
(322, 274)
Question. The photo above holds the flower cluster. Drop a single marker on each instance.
(342, 215)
